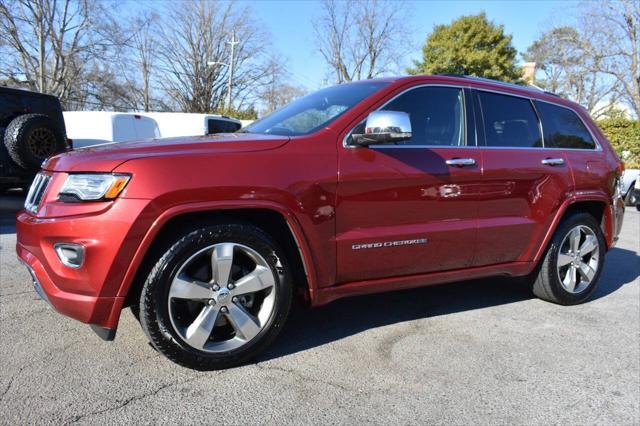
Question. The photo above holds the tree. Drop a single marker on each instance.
(361, 38)
(470, 45)
(198, 33)
(275, 91)
(571, 66)
(144, 46)
(614, 30)
(48, 45)
(594, 57)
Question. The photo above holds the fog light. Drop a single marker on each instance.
(71, 255)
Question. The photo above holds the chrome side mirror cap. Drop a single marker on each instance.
(383, 127)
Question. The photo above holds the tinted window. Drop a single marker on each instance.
(509, 121)
(221, 126)
(563, 128)
(436, 113)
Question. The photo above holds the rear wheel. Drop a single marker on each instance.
(217, 297)
(572, 265)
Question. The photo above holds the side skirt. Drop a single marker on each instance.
(357, 288)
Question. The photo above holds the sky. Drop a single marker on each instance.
(291, 26)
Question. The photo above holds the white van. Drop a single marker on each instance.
(86, 128)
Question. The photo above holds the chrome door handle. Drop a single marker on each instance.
(553, 161)
(461, 162)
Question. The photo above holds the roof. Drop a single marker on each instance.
(24, 92)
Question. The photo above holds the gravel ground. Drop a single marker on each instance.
(474, 352)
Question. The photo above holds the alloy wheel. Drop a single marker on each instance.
(42, 142)
(578, 257)
(222, 297)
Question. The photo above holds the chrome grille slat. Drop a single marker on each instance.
(36, 192)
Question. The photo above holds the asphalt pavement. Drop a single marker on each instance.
(482, 352)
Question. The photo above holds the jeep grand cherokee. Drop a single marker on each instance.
(365, 187)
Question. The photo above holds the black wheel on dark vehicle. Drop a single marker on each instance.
(632, 197)
(572, 265)
(217, 297)
(32, 138)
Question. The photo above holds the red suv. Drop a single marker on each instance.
(359, 188)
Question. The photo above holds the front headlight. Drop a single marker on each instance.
(93, 186)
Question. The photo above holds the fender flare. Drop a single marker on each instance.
(175, 211)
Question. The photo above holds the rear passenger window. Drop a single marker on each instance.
(563, 128)
(509, 121)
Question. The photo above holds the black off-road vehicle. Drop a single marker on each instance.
(31, 129)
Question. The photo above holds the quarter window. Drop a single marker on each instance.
(563, 128)
(509, 121)
(436, 114)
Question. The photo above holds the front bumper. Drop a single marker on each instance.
(90, 294)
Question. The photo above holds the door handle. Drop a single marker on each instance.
(553, 161)
(461, 162)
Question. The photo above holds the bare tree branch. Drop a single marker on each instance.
(360, 39)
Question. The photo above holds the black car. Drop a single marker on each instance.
(31, 130)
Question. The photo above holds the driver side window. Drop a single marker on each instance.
(436, 114)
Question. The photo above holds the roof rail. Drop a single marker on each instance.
(502, 83)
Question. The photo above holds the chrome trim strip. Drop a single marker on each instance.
(304, 264)
(36, 192)
(36, 283)
(454, 86)
(531, 99)
(79, 248)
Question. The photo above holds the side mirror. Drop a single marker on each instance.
(384, 127)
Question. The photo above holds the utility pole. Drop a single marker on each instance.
(233, 43)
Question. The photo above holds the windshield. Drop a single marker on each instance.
(314, 111)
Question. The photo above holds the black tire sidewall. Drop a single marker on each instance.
(630, 200)
(154, 309)
(562, 295)
(17, 135)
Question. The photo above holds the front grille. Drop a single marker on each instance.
(36, 192)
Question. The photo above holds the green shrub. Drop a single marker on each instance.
(624, 135)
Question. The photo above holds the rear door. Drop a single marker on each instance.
(402, 209)
(524, 183)
(565, 131)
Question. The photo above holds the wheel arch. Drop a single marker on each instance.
(597, 205)
(277, 221)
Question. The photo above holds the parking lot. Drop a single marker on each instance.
(473, 352)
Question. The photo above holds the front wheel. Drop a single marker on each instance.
(573, 263)
(217, 297)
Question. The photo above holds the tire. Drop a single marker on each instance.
(631, 199)
(548, 284)
(176, 317)
(32, 138)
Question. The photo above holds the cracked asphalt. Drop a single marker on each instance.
(474, 352)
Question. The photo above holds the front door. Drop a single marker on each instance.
(411, 208)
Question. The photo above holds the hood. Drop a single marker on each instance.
(105, 158)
